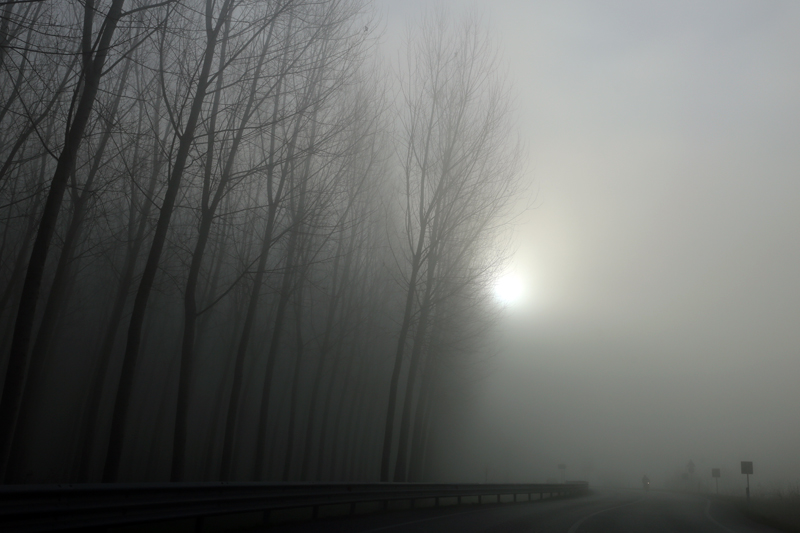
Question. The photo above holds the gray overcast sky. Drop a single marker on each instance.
(661, 317)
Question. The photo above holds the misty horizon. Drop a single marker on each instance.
(658, 321)
(450, 241)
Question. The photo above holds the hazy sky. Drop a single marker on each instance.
(661, 314)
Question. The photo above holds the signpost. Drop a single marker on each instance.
(715, 475)
(747, 468)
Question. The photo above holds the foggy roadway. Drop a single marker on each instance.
(604, 511)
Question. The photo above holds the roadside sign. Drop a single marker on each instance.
(747, 468)
(563, 469)
(715, 475)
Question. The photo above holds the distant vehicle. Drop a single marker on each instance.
(646, 483)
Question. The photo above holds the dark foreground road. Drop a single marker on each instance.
(603, 512)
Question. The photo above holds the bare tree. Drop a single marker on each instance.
(459, 172)
(186, 138)
(94, 51)
(62, 277)
(225, 186)
(213, 193)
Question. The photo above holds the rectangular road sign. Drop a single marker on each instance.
(747, 467)
(715, 472)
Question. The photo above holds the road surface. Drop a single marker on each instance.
(602, 512)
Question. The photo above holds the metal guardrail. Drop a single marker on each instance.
(201, 507)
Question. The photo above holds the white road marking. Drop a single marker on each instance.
(708, 515)
(577, 524)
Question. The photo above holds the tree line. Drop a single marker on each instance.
(235, 245)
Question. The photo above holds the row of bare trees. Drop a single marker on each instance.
(230, 249)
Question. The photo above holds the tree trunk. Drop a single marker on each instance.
(352, 425)
(416, 352)
(125, 388)
(386, 456)
(33, 390)
(272, 354)
(26, 314)
(347, 385)
(295, 384)
(325, 347)
(92, 405)
(274, 197)
(226, 464)
(186, 356)
(420, 422)
(315, 387)
(326, 409)
(11, 290)
(411, 291)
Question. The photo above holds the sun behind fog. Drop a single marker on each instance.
(508, 288)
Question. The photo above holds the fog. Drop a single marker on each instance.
(338, 240)
(658, 321)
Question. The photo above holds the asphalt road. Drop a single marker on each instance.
(602, 512)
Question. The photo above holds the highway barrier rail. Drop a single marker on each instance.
(205, 507)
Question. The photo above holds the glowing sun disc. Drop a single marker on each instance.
(508, 289)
